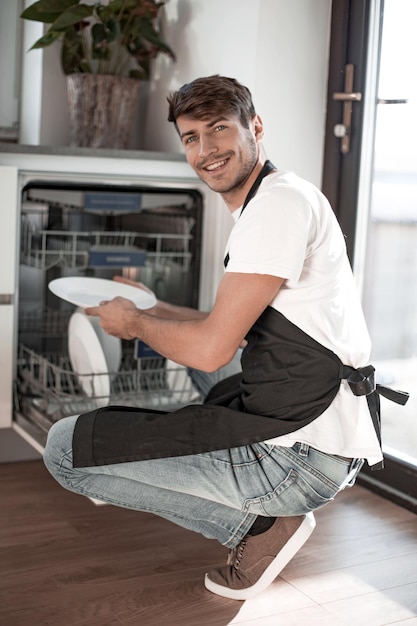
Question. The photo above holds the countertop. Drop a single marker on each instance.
(107, 163)
(13, 148)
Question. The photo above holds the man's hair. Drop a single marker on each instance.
(209, 97)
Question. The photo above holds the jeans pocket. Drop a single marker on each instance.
(293, 496)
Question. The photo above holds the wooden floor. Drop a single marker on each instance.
(65, 561)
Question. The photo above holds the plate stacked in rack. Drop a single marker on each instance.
(94, 356)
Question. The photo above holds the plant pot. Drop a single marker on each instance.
(101, 109)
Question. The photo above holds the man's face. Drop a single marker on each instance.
(221, 151)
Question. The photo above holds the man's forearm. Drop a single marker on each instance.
(166, 310)
(185, 341)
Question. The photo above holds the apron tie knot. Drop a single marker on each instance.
(361, 381)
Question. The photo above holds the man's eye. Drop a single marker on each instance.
(220, 127)
(190, 139)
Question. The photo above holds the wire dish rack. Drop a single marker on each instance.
(60, 392)
(44, 249)
(162, 237)
(57, 391)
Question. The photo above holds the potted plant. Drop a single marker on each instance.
(106, 50)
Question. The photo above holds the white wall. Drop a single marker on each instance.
(9, 61)
(277, 48)
(33, 108)
(215, 37)
(290, 85)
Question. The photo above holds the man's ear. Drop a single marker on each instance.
(258, 127)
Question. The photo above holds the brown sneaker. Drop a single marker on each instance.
(256, 561)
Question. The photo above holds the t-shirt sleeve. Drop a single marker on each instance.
(271, 236)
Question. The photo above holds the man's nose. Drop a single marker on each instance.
(207, 146)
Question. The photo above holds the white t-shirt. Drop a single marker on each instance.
(289, 230)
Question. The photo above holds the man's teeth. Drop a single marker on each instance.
(215, 166)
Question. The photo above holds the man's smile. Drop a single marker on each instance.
(215, 166)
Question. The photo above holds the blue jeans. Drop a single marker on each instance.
(218, 494)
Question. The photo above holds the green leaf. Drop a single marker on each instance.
(73, 15)
(113, 29)
(149, 33)
(108, 11)
(101, 37)
(144, 41)
(46, 40)
(117, 8)
(127, 5)
(73, 53)
(98, 33)
(46, 11)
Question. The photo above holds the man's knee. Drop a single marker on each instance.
(59, 445)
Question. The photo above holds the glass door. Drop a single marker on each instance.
(390, 250)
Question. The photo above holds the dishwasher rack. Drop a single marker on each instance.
(152, 384)
(44, 249)
(163, 237)
(57, 391)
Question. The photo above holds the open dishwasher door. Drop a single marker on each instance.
(79, 231)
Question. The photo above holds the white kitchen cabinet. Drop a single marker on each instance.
(6, 364)
(8, 254)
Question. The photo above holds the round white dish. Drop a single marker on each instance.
(111, 346)
(86, 291)
(88, 359)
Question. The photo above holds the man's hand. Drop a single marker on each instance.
(116, 316)
(204, 341)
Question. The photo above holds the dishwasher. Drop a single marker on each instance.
(151, 235)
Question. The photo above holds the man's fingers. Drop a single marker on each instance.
(91, 310)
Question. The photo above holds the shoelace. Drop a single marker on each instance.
(235, 554)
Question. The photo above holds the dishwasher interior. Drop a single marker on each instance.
(151, 235)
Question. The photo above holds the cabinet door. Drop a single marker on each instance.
(8, 254)
(6, 364)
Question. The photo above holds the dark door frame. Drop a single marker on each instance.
(348, 44)
(350, 23)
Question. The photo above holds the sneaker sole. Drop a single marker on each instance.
(290, 549)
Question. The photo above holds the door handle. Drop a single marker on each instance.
(6, 298)
(348, 97)
(399, 101)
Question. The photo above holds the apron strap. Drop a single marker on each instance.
(362, 383)
(267, 168)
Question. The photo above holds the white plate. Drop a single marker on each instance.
(111, 346)
(88, 359)
(85, 291)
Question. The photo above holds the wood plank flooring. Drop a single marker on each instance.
(65, 561)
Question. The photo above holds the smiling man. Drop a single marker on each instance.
(280, 439)
(207, 145)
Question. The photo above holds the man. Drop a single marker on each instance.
(280, 440)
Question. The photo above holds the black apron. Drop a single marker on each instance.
(288, 379)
